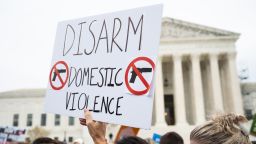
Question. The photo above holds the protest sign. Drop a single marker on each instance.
(11, 134)
(106, 64)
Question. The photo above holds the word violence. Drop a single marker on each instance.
(100, 104)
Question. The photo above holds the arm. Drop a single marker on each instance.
(97, 130)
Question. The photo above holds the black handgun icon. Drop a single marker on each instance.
(60, 71)
(141, 70)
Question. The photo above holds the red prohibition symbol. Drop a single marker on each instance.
(138, 73)
(56, 75)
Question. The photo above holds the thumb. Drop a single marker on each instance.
(87, 115)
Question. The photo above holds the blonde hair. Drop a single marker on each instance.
(221, 129)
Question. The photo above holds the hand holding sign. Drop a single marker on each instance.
(97, 130)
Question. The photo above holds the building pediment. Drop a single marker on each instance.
(178, 29)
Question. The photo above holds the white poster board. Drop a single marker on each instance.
(106, 63)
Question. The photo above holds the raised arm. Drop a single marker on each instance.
(97, 130)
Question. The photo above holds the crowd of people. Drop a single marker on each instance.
(220, 129)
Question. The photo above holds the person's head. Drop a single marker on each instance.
(171, 138)
(78, 141)
(131, 140)
(45, 140)
(222, 129)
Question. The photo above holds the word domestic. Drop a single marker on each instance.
(100, 104)
(86, 37)
(95, 76)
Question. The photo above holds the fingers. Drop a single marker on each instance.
(82, 121)
(87, 114)
(88, 117)
(87, 120)
(102, 123)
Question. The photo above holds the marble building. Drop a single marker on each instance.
(197, 76)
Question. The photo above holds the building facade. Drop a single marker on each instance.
(24, 109)
(196, 77)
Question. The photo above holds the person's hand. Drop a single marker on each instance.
(97, 130)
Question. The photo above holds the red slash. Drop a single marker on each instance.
(135, 69)
(55, 70)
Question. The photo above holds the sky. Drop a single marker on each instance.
(28, 29)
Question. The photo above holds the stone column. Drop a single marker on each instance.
(216, 85)
(197, 89)
(179, 97)
(159, 97)
(235, 90)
